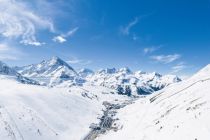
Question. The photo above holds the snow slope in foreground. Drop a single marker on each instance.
(29, 112)
(178, 112)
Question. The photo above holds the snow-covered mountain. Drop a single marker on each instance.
(8, 72)
(52, 72)
(56, 72)
(126, 81)
(178, 112)
(85, 72)
(94, 111)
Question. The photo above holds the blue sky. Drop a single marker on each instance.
(170, 37)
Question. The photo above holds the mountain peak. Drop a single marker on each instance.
(85, 72)
(156, 74)
(108, 71)
(54, 70)
(6, 70)
(140, 72)
(56, 60)
(125, 70)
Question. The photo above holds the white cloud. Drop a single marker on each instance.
(18, 21)
(126, 30)
(59, 39)
(166, 58)
(179, 67)
(32, 42)
(62, 38)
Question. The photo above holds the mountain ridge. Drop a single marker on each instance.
(56, 71)
(9, 72)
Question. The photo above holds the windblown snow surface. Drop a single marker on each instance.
(30, 112)
(178, 112)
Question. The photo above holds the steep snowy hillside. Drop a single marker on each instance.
(178, 112)
(7, 72)
(127, 82)
(51, 72)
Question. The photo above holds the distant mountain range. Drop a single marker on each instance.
(56, 72)
(7, 72)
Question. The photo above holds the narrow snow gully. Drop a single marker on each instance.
(107, 120)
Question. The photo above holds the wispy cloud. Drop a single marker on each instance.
(62, 38)
(71, 32)
(75, 60)
(126, 30)
(178, 67)
(17, 20)
(166, 58)
(151, 49)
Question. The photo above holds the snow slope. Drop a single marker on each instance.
(30, 112)
(178, 112)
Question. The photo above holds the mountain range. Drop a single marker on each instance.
(51, 100)
(7, 72)
(56, 72)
